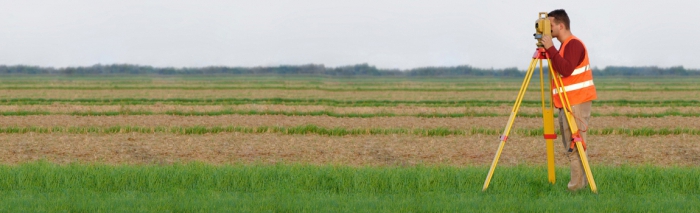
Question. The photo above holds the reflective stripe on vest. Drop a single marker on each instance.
(574, 87)
(580, 70)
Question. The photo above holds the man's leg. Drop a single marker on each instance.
(582, 114)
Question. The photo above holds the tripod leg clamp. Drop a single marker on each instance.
(576, 138)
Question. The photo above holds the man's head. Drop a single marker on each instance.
(560, 21)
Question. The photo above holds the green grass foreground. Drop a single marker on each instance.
(194, 187)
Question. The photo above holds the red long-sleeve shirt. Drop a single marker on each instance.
(573, 56)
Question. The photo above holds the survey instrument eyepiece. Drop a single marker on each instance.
(542, 27)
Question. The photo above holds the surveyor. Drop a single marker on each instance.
(571, 62)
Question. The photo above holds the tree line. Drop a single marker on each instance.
(321, 70)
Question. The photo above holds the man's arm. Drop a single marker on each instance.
(574, 54)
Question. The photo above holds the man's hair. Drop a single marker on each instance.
(560, 16)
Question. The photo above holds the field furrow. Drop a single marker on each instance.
(401, 150)
(315, 110)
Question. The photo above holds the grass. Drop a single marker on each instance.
(333, 114)
(337, 131)
(198, 187)
(341, 88)
(331, 102)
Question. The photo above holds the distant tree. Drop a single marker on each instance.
(321, 70)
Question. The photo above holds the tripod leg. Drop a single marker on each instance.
(559, 86)
(586, 167)
(549, 136)
(514, 112)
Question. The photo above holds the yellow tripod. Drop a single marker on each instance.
(548, 115)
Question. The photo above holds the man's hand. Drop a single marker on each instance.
(547, 41)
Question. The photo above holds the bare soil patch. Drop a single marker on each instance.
(402, 150)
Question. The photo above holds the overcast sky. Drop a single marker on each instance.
(388, 34)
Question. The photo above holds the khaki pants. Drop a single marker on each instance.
(582, 114)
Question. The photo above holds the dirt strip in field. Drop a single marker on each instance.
(398, 110)
(327, 121)
(338, 95)
(391, 150)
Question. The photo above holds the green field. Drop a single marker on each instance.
(122, 144)
(305, 188)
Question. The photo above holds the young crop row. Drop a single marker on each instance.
(333, 114)
(332, 102)
(303, 188)
(335, 88)
(303, 129)
(337, 131)
(319, 88)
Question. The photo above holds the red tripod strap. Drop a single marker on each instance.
(550, 136)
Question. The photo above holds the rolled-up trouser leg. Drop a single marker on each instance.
(582, 113)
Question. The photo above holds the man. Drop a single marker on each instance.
(571, 62)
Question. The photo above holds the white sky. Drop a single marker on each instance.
(388, 34)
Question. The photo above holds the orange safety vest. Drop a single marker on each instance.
(579, 85)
